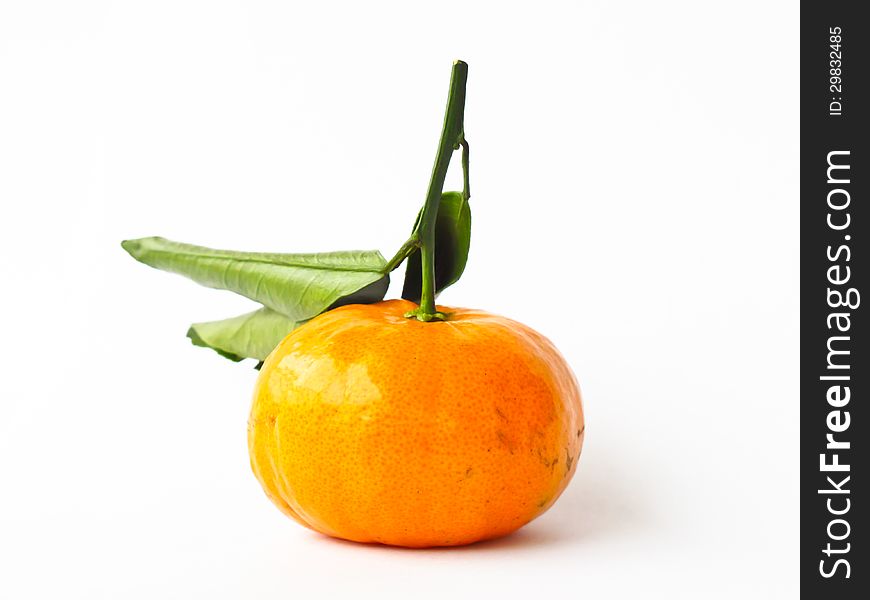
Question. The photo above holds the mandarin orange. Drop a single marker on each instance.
(373, 427)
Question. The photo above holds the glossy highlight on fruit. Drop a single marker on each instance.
(370, 426)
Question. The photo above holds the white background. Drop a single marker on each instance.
(634, 176)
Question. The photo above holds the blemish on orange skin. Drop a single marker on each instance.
(362, 420)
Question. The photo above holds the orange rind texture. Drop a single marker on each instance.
(373, 427)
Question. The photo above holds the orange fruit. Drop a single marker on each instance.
(373, 427)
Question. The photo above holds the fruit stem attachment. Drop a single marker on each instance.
(452, 137)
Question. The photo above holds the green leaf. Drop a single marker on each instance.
(452, 240)
(299, 286)
(252, 335)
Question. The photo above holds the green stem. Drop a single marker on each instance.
(407, 249)
(452, 136)
(466, 185)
